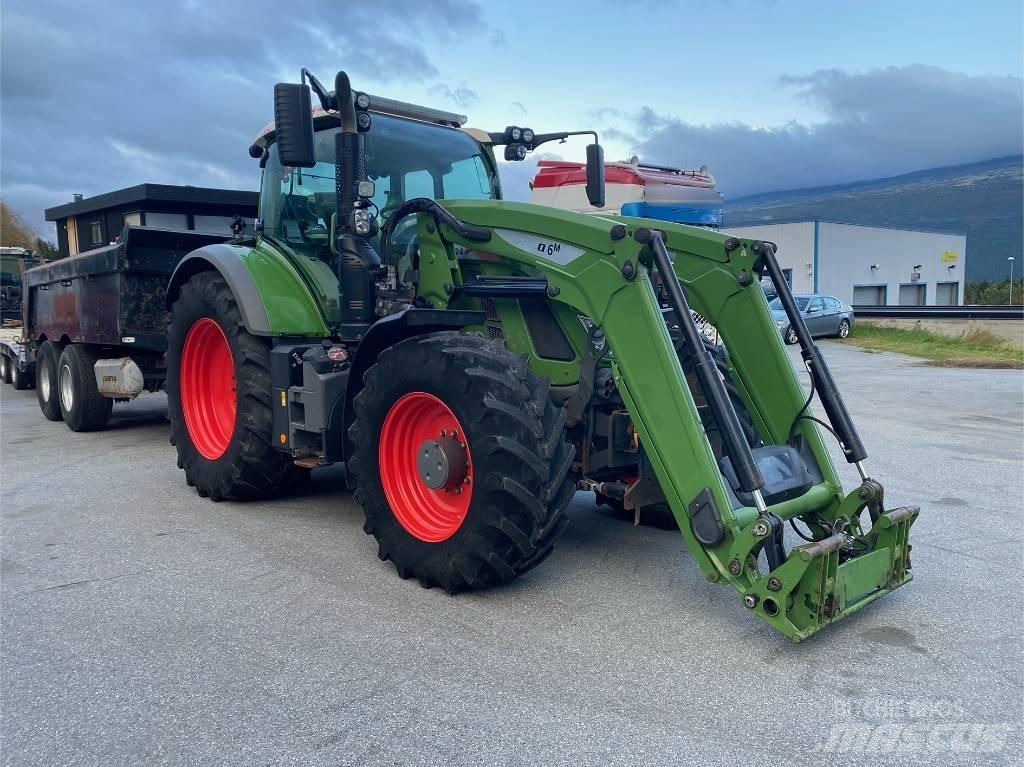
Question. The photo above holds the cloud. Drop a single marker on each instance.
(174, 92)
(878, 123)
(461, 96)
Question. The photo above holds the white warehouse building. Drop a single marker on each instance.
(867, 265)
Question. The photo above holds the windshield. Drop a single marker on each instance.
(404, 159)
(801, 303)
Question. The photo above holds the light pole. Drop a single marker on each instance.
(1010, 259)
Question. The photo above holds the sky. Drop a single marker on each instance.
(769, 94)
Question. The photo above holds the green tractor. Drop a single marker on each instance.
(474, 362)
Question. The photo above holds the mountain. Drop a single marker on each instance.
(983, 199)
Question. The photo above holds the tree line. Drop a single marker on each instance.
(15, 233)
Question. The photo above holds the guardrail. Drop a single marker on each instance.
(976, 312)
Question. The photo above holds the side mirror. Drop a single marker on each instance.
(293, 125)
(812, 309)
(595, 175)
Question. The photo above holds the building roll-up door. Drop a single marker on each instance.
(869, 295)
(912, 295)
(946, 293)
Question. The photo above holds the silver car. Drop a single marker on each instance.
(823, 316)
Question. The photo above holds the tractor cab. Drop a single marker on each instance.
(412, 152)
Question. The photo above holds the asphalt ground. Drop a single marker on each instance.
(142, 624)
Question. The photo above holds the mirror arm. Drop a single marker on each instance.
(326, 98)
(498, 139)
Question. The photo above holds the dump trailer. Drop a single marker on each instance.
(474, 362)
(95, 324)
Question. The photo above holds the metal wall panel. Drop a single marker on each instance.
(795, 244)
(847, 253)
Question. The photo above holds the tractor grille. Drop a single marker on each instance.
(495, 333)
(489, 310)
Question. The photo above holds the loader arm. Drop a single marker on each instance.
(601, 269)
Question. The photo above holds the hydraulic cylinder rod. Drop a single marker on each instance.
(829, 394)
(747, 474)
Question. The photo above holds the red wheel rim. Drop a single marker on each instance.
(426, 513)
(208, 388)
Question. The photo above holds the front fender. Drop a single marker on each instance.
(272, 297)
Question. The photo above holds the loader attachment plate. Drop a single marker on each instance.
(825, 581)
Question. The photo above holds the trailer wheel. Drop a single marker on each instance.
(460, 461)
(46, 381)
(5, 369)
(219, 397)
(19, 378)
(81, 405)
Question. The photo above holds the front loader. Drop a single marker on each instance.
(474, 362)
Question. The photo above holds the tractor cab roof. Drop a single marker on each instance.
(378, 105)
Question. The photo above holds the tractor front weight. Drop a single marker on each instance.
(731, 500)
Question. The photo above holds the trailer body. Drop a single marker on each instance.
(111, 298)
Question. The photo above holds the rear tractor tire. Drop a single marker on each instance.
(82, 407)
(46, 381)
(219, 397)
(460, 461)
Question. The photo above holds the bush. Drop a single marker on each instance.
(994, 293)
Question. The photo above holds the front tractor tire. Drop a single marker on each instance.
(460, 461)
(219, 397)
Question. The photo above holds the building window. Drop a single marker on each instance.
(96, 232)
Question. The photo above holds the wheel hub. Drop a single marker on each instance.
(441, 462)
(44, 380)
(207, 388)
(426, 467)
(67, 389)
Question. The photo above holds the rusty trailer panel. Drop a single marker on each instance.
(110, 294)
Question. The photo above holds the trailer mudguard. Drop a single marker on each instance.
(272, 296)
